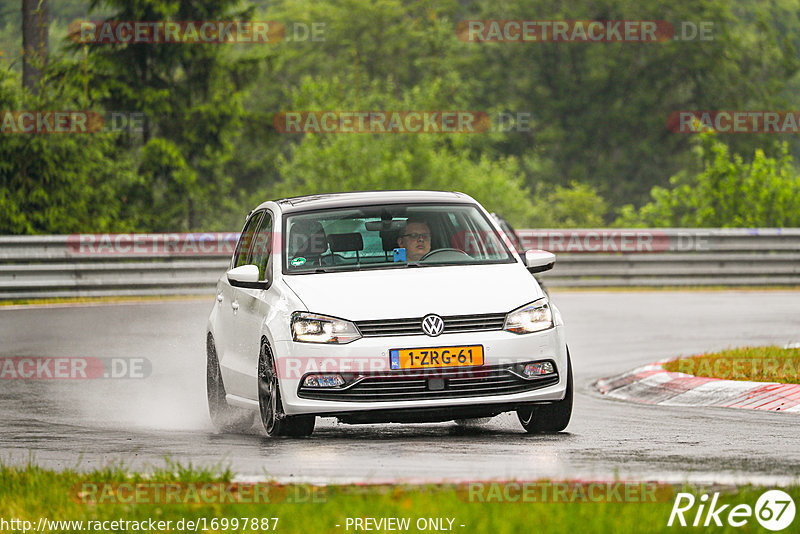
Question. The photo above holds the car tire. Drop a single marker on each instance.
(552, 417)
(276, 422)
(225, 417)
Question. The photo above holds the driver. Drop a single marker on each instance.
(415, 238)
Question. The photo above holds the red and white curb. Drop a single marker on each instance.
(652, 384)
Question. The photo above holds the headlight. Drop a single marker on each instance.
(315, 328)
(532, 317)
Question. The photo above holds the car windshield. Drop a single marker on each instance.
(390, 236)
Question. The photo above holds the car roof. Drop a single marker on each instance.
(362, 198)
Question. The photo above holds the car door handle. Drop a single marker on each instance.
(235, 305)
(219, 298)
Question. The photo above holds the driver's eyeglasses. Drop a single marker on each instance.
(414, 237)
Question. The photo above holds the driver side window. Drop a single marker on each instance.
(245, 240)
(262, 246)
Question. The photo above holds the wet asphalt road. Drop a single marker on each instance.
(140, 422)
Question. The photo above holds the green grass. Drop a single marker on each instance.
(758, 364)
(30, 492)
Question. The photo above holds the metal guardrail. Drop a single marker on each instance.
(670, 257)
(170, 264)
(112, 264)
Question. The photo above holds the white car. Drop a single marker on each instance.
(383, 306)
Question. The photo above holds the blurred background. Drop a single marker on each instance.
(579, 134)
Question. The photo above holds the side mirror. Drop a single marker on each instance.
(538, 261)
(245, 276)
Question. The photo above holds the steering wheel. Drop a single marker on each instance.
(432, 253)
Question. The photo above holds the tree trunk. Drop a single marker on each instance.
(35, 26)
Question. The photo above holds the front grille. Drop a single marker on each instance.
(452, 324)
(431, 384)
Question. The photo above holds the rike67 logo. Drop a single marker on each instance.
(774, 510)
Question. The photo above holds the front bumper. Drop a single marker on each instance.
(370, 357)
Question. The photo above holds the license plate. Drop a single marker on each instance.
(425, 358)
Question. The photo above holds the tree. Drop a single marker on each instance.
(35, 41)
(192, 95)
(601, 108)
(58, 183)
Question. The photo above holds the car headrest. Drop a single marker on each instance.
(346, 242)
(307, 239)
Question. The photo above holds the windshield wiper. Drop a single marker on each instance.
(355, 267)
(442, 263)
(372, 266)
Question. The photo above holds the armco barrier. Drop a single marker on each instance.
(670, 256)
(112, 265)
(170, 264)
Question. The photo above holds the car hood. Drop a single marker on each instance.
(416, 291)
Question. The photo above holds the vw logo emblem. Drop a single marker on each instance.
(433, 325)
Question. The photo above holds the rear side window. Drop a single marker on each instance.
(262, 245)
(245, 240)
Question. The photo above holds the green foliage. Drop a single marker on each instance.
(601, 109)
(60, 184)
(321, 164)
(458, 162)
(401, 41)
(576, 206)
(192, 97)
(165, 184)
(57, 183)
(729, 192)
(597, 140)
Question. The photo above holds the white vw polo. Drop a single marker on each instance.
(384, 306)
